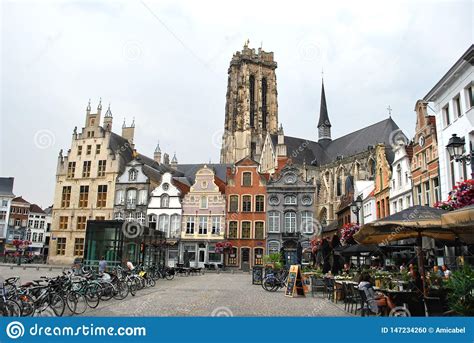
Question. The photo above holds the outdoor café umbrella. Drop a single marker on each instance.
(413, 222)
(461, 222)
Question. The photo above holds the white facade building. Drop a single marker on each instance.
(365, 189)
(401, 186)
(452, 99)
(36, 229)
(6, 196)
(165, 211)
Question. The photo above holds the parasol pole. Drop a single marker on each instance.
(421, 260)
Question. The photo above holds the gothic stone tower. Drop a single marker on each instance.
(251, 104)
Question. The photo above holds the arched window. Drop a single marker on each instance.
(132, 175)
(259, 230)
(307, 222)
(339, 183)
(380, 179)
(233, 203)
(323, 217)
(163, 224)
(165, 201)
(252, 100)
(264, 103)
(399, 175)
(152, 221)
(290, 222)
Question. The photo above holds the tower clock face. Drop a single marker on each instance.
(290, 178)
(421, 141)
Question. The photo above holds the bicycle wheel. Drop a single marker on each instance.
(150, 282)
(132, 286)
(92, 294)
(121, 290)
(71, 301)
(107, 291)
(57, 304)
(10, 308)
(169, 276)
(27, 304)
(269, 285)
(81, 303)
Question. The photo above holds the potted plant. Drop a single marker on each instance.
(460, 288)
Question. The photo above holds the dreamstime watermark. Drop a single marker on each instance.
(309, 50)
(15, 330)
(44, 139)
(132, 229)
(397, 138)
(222, 311)
(132, 50)
(310, 228)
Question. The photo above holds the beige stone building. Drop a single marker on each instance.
(85, 182)
(251, 104)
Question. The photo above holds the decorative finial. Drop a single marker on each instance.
(133, 122)
(99, 107)
(124, 125)
(246, 44)
(109, 112)
(389, 109)
(89, 105)
(158, 149)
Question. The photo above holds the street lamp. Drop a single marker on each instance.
(456, 149)
(356, 206)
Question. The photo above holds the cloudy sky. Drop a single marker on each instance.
(165, 63)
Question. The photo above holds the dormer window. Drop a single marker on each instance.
(165, 201)
(132, 175)
(290, 200)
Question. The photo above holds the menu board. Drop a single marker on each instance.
(257, 275)
(295, 282)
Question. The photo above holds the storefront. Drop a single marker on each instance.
(106, 238)
(200, 254)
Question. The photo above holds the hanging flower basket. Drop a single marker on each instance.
(347, 233)
(223, 247)
(461, 196)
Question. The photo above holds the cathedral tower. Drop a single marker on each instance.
(324, 125)
(251, 104)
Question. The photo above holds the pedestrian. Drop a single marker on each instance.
(102, 265)
(446, 271)
(130, 266)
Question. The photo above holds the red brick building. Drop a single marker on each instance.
(18, 220)
(246, 214)
(424, 164)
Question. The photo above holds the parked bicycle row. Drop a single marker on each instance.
(75, 292)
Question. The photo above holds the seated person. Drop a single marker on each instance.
(376, 301)
(416, 283)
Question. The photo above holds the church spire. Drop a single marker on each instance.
(324, 125)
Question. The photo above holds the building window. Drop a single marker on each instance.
(141, 218)
(259, 203)
(232, 260)
(202, 225)
(102, 196)
(165, 201)
(290, 222)
(399, 175)
(273, 247)
(79, 150)
(246, 203)
(28, 235)
(216, 225)
(264, 103)
(132, 175)
(452, 169)
(81, 223)
(307, 222)
(83, 196)
(131, 198)
(101, 168)
(233, 203)
(380, 179)
(233, 230)
(190, 225)
(119, 197)
(175, 225)
(89, 150)
(40, 237)
(97, 149)
(66, 196)
(273, 221)
(79, 247)
(164, 224)
(86, 169)
(457, 106)
(408, 201)
(290, 200)
(142, 197)
(252, 100)
(130, 217)
(247, 179)
(203, 202)
(35, 237)
(259, 230)
(437, 191)
(71, 169)
(246, 228)
(61, 246)
(427, 193)
(469, 97)
(152, 221)
(447, 119)
(419, 195)
(258, 256)
(63, 221)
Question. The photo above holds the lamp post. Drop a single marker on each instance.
(457, 148)
(356, 206)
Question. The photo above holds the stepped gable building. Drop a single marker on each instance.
(251, 109)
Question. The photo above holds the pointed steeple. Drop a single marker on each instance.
(158, 149)
(99, 107)
(88, 108)
(324, 125)
(109, 112)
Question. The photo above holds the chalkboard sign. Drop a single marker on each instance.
(295, 282)
(257, 275)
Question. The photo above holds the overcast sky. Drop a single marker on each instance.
(165, 63)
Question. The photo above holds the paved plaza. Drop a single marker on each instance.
(202, 295)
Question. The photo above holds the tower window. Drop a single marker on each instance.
(252, 101)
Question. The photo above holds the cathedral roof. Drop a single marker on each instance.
(190, 170)
(313, 153)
